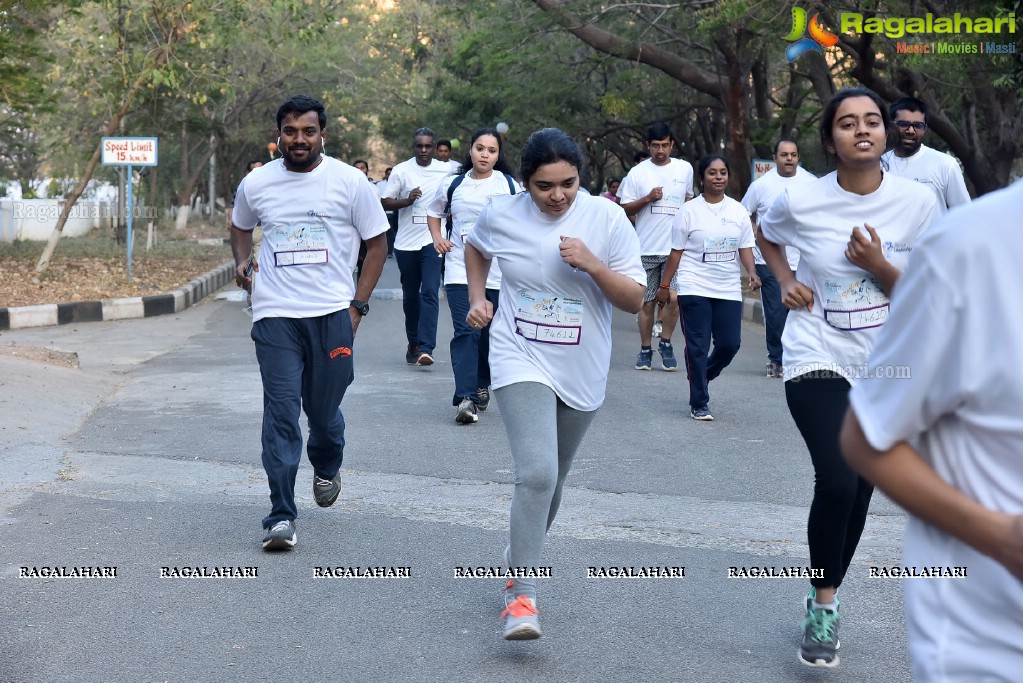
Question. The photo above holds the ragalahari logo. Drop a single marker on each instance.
(819, 37)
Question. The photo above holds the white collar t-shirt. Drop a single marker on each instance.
(709, 237)
(467, 202)
(313, 224)
(553, 323)
(413, 232)
(955, 325)
(762, 193)
(936, 170)
(653, 222)
(848, 304)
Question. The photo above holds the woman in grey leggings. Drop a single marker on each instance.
(566, 258)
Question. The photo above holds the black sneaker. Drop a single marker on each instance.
(326, 491)
(774, 370)
(281, 536)
(701, 414)
(481, 398)
(412, 355)
(424, 359)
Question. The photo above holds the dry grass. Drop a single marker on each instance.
(94, 267)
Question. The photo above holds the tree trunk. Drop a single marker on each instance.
(173, 35)
(185, 196)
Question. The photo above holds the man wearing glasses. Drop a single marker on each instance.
(912, 159)
(653, 192)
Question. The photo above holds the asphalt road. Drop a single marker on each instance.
(147, 456)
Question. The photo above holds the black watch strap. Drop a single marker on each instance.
(361, 306)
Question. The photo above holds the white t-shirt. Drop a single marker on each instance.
(467, 202)
(849, 306)
(653, 222)
(956, 326)
(937, 170)
(313, 224)
(413, 232)
(709, 237)
(762, 193)
(553, 323)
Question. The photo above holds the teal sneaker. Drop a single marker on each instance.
(820, 638)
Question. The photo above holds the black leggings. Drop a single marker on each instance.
(818, 401)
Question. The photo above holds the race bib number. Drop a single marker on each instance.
(855, 303)
(464, 227)
(548, 318)
(300, 245)
(669, 204)
(719, 250)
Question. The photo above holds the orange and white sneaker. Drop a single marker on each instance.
(521, 620)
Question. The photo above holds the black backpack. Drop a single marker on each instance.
(451, 193)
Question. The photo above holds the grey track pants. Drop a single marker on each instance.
(544, 435)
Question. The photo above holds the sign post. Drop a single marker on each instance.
(130, 152)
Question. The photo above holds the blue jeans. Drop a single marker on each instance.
(420, 287)
(305, 363)
(775, 312)
(705, 319)
(470, 348)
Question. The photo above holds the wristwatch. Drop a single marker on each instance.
(361, 306)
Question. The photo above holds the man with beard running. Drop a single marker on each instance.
(306, 306)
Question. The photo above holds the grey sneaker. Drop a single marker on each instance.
(326, 491)
(466, 413)
(521, 617)
(482, 398)
(820, 638)
(281, 536)
(773, 370)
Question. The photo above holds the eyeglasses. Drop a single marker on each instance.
(915, 125)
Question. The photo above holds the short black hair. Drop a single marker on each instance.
(782, 140)
(909, 104)
(658, 131)
(446, 143)
(300, 104)
(705, 163)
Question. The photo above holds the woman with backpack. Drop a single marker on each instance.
(463, 197)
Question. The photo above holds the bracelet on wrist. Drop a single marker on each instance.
(664, 287)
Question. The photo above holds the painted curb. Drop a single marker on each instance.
(192, 293)
(753, 311)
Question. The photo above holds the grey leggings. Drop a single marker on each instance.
(544, 435)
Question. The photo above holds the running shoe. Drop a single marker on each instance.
(702, 414)
(812, 595)
(412, 354)
(424, 359)
(668, 362)
(466, 413)
(773, 370)
(482, 398)
(326, 491)
(645, 359)
(521, 620)
(657, 329)
(281, 536)
(820, 638)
